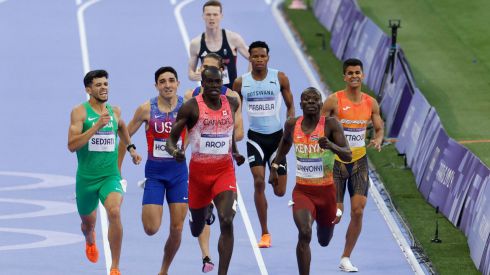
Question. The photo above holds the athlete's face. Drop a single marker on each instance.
(212, 17)
(211, 83)
(99, 89)
(353, 76)
(259, 58)
(210, 62)
(311, 103)
(167, 85)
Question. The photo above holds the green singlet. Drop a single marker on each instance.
(97, 173)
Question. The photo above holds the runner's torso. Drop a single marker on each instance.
(229, 59)
(263, 101)
(98, 158)
(211, 136)
(354, 118)
(314, 166)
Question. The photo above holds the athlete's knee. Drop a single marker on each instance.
(304, 233)
(176, 229)
(114, 213)
(280, 191)
(226, 222)
(357, 213)
(151, 228)
(196, 228)
(259, 184)
(324, 239)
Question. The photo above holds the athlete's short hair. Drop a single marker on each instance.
(352, 62)
(258, 44)
(166, 69)
(89, 77)
(216, 57)
(213, 3)
(311, 90)
(210, 70)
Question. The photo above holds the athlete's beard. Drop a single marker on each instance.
(100, 100)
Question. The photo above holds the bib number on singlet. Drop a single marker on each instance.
(102, 141)
(159, 146)
(214, 144)
(226, 77)
(355, 137)
(261, 107)
(309, 168)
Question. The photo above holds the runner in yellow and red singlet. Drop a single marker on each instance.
(355, 110)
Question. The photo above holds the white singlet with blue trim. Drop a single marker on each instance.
(263, 100)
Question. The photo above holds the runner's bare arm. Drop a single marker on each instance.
(283, 149)
(286, 94)
(378, 127)
(193, 59)
(142, 114)
(241, 46)
(238, 115)
(336, 141)
(188, 94)
(234, 103)
(123, 134)
(77, 139)
(237, 87)
(186, 117)
(329, 106)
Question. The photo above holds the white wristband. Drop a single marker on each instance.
(339, 213)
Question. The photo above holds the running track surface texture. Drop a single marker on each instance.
(47, 47)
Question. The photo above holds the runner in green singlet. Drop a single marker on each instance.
(93, 132)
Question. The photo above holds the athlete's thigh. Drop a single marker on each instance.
(359, 181)
(111, 192)
(225, 181)
(201, 181)
(151, 215)
(226, 204)
(154, 192)
(340, 177)
(87, 197)
(302, 202)
(177, 213)
(177, 189)
(326, 205)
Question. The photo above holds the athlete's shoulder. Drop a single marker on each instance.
(79, 111)
(231, 93)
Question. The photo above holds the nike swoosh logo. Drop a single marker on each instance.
(346, 108)
(185, 198)
(92, 118)
(232, 187)
(246, 86)
(273, 82)
(159, 116)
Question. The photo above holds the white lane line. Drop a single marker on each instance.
(2, 1)
(49, 208)
(86, 68)
(250, 233)
(46, 181)
(294, 47)
(241, 204)
(50, 238)
(181, 24)
(173, 2)
(268, 2)
(395, 230)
